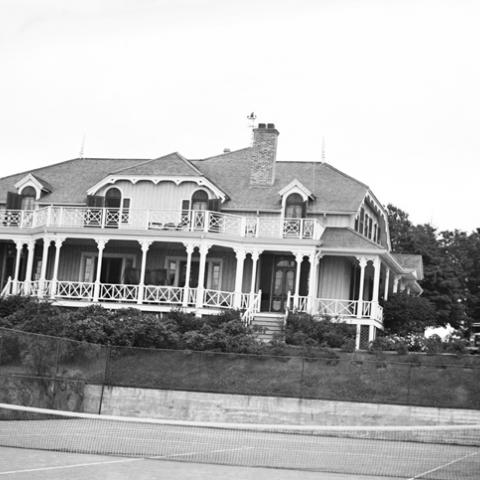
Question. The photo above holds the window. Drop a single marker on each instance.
(113, 198)
(28, 198)
(200, 200)
(361, 221)
(294, 206)
(177, 268)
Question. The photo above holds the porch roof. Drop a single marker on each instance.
(413, 263)
(344, 237)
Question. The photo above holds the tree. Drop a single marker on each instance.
(404, 314)
(446, 264)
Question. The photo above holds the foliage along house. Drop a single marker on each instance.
(236, 230)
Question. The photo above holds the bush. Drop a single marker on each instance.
(303, 329)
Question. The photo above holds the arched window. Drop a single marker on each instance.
(28, 198)
(200, 200)
(113, 198)
(294, 206)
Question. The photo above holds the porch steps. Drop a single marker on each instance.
(272, 325)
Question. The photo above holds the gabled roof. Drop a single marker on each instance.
(171, 164)
(69, 180)
(346, 238)
(296, 185)
(333, 190)
(411, 262)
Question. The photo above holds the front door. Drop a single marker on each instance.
(283, 281)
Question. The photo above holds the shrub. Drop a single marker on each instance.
(303, 329)
(456, 345)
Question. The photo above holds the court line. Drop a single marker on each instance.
(420, 475)
(123, 460)
(76, 465)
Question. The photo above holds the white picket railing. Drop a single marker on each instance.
(166, 220)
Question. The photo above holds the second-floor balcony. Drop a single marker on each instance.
(164, 220)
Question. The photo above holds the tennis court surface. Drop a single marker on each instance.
(40, 444)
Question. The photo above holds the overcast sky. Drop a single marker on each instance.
(392, 86)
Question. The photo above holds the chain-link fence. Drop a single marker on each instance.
(53, 372)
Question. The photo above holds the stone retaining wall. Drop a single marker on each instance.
(201, 406)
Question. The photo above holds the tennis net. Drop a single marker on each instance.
(433, 452)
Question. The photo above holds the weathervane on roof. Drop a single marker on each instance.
(323, 149)
(252, 117)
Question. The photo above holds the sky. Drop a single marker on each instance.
(391, 88)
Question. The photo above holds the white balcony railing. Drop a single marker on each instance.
(121, 293)
(164, 295)
(164, 220)
(337, 308)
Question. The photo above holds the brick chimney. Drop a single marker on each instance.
(262, 167)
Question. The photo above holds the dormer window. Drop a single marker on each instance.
(294, 206)
(28, 198)
(200, 200)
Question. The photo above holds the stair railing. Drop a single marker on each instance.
(7, 288)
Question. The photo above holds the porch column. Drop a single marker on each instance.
(371, 333)
(314, 259)
(240, 254)
(18, 256)
(96, 289)
(58, 246)
(190, 248)
(363, 263)
(43, 269)
(376, 278)
(396, 278)
(298, 261)
(357, 337)
(145, 245)
(387, 282)
(28, 274)
(203, 249)
(255, 256)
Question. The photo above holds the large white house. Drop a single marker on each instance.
(236, 230)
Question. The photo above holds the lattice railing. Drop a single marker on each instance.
(335, 308)
(218, 299)
(17, 218)
(187, 220)
(348, 308)
(303, 228)
(163, 294)
(74, 290)
(118, 292)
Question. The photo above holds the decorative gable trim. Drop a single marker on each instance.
(295, 186)
(31, 181)
(200, 181)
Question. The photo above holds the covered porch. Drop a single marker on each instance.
(159, 274)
